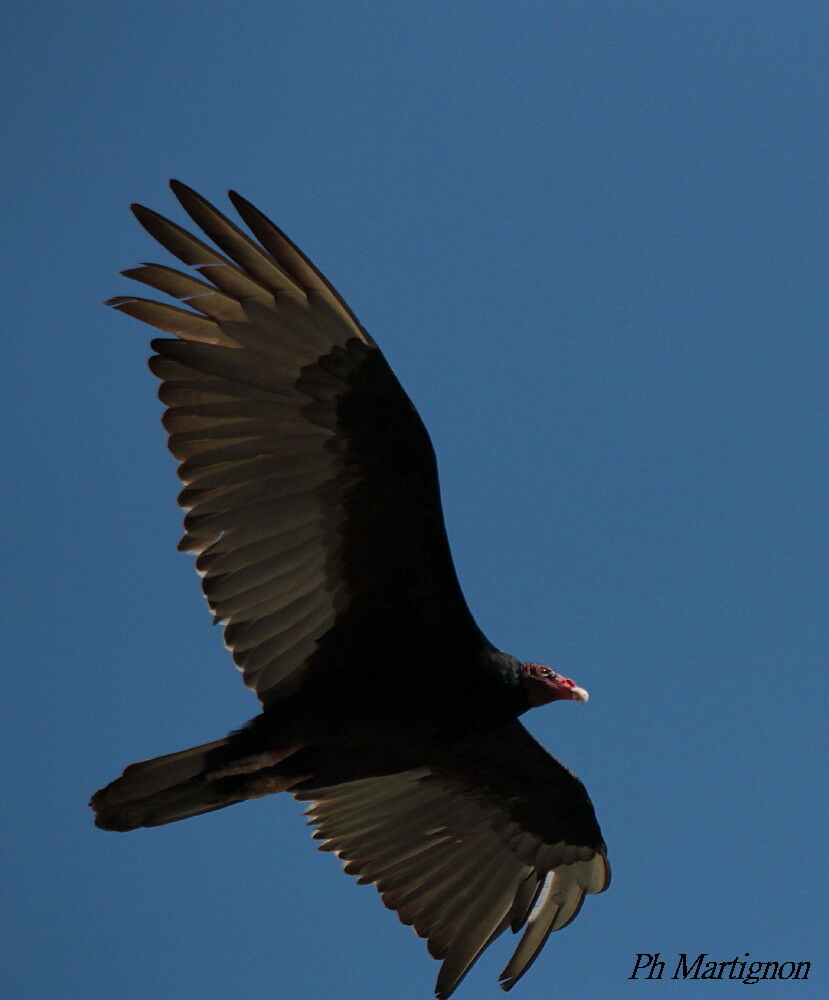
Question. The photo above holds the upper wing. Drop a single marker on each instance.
(499, 836)
(310, 480)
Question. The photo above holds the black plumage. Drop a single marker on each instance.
(313, 508)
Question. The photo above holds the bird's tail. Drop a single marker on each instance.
(188, 783)
(162, 790)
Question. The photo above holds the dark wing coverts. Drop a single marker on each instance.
(310, 480)
(499, 836)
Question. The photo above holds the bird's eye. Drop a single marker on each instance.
(545, 672)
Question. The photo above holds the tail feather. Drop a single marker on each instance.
(162, 790)
(190, 798)
(198, 780)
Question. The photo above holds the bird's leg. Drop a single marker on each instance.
(269, 783)
(255, 762)
(260, 774)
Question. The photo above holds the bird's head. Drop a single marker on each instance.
(543, 684)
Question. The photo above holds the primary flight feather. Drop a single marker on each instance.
(313, 508)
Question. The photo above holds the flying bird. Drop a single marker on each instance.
(313, 508)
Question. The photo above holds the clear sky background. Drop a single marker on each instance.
(590, 238)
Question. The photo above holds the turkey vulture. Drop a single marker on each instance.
(313, 508)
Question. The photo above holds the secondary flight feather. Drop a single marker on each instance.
(313, 509)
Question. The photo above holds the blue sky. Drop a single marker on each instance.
(590, 238)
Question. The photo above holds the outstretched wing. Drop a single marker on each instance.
(310, 481)
(499, 836)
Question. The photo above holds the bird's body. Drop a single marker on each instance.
(313, 507)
